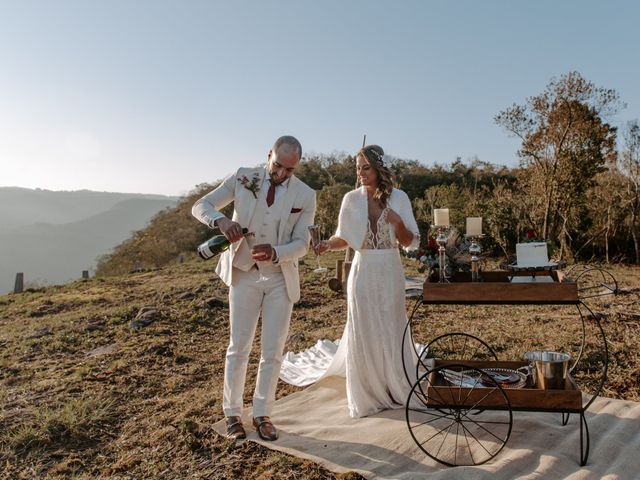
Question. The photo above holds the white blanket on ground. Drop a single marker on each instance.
(314, 424)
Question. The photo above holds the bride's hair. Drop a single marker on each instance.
(374, 155)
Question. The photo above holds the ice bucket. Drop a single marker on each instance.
(550, 368)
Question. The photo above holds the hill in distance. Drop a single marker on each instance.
(53, 236)
(24, 206)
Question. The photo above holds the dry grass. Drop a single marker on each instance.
(83, 395)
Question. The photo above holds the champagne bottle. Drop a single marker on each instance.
(215, 245)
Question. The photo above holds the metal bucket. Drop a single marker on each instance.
(550, 368)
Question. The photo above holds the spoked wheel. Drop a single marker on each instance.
(595, 282)
(465, 420)
(455, 345)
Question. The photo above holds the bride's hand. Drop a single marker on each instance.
(321, 247)
(394, 219)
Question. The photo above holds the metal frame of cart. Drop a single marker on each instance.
(459, 422)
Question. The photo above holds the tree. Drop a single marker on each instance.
(603, 216)
(565, 144)
(503, 218)
(329, 200)
(629, 166)
(320, 170)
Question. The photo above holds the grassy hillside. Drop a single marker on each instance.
(87, 390)
(170, 233)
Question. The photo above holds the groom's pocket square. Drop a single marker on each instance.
(296, 210)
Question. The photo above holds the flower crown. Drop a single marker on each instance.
(377, 156)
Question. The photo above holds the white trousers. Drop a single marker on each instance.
(247, 298)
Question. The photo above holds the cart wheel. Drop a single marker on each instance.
(584, 440)
(455, 345)
(595, 282)
(458, 426)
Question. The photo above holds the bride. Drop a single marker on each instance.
(373, 220)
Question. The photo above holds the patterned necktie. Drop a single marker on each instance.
(271, 193)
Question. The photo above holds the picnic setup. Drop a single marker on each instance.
(464, 398)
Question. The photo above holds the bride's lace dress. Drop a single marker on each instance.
(369, 353)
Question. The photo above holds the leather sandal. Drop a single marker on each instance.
(265, 428)
(235, 430)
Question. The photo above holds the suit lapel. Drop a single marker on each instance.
(252, 201)
(246, 202)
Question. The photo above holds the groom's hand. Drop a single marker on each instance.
(230, 229)
(262, 252)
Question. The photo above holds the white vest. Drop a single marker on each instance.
(264, 224)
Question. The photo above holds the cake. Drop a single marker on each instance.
(532, 254)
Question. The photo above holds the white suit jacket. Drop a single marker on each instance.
(297, 211)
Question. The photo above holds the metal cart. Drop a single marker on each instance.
(459, 415)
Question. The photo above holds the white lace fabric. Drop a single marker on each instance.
(381, 238)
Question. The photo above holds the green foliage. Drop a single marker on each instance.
(504, 218)
(318, 171)
(329, 199)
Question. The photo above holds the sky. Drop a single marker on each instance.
(157, 96)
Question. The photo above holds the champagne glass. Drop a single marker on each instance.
(261, 276)
(316, 237)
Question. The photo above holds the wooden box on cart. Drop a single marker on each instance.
(497, 287)
(568, 399)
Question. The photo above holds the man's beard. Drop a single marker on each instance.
(275, 180)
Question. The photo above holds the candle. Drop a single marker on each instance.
(441, 217)
(474, 226)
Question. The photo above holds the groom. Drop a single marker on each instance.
(261, 271)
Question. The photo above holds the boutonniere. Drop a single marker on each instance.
(251, 185)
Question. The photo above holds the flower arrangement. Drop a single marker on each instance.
(457, 257)
(427, 253)
(530, 235)
(251, 185)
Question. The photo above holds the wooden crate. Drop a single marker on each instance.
(527, 398)
(496, 287)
